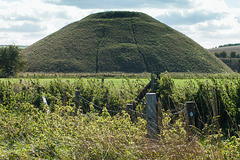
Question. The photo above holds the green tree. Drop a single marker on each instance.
(233, 54)
(223, 54)
(10, 60)
(216, 54)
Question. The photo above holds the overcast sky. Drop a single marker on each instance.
(208, 22)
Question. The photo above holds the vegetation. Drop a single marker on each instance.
(233, 54)
(232, 59)
(223, 54)
(129, 42)
(233, 63)
(30, 129)
(10, 61)
(20, 46)
(230, 44)
(227, 49)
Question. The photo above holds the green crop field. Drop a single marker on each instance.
(116, 81)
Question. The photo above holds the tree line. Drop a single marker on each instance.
(11, 61)
(228, 45)
(223, 54)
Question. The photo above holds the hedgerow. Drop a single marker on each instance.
(31, 129)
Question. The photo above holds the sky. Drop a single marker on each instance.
(208, 22)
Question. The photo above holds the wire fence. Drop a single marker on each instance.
(129, 109)
(178, 112)
(101, 108)
(140, 113)
(137, 113)
(151, 115)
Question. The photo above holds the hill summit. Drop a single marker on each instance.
(119, 42)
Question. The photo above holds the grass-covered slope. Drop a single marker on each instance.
(120, 41)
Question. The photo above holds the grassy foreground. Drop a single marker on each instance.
(29, 134)
(31, 130)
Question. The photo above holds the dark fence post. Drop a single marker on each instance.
(77, 101)
(152, 83)
(191, 112)
(190, 106)
(131, 113)
(155, 76)
(102, 84)
(151, 112)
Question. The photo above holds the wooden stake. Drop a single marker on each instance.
(151, 115)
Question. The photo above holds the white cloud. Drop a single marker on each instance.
(208, 22)
(34, 17)
(123, 4)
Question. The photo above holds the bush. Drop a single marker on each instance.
(10, 61)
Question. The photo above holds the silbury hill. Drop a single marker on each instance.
(120, 42)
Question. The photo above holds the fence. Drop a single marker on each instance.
(84, 110)
(153, 109)
(152, 112)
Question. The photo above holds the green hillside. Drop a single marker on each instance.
(122, 42)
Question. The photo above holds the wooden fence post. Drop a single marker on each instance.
(131, 113)
(191, 112)
(102, 84)
(151, 112)
(77, 101)
(190, 106)
(152, 83)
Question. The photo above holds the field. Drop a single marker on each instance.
(227, 49)
(116, 81)
(233, 63)
(32, 130)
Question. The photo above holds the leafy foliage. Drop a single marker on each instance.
(29, 129)
(10, 61)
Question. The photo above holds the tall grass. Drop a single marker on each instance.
(59, 135)
(29, 129)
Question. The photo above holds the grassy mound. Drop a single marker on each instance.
(120, 42)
